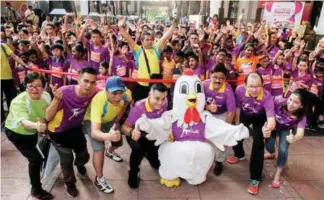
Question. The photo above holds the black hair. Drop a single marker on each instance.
(79, 48)
(59, 42)
(219, 68)
(87, 35)
(96, 31)
(155, 76)
(89, 70)
(32, 52)
(120, 43)
(70, 33)
(104, 64)
(24, 30)
(303, 96)
(192, 55)
(168, 49)
(194, 33)
(57, 46)
(51, 25)
(174, 42)
(34, 76)
(145, 34)
(222, 50)
(158, 33)
(159, 87)
(255, 73)
(180, 54)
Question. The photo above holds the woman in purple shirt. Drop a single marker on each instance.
(77, 62)
(290, 115)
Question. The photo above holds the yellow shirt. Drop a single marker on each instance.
(102, 111)
(6, 72)
(168, 67)
(153, 57)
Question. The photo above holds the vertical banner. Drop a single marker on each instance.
(289, 13)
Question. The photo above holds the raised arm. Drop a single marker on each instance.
(123, 31)
(168, 34)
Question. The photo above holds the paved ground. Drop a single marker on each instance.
(303, 178)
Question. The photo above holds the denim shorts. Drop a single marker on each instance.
(99, 146)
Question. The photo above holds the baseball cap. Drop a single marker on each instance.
(115, 83)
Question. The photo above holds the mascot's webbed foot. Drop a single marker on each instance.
(170, 183)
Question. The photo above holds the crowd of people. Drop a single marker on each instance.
(257, 74)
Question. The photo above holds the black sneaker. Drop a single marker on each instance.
(218, 170)
(81, 169)
(103, 185)
(71, 190)
(41, 195)
(133, 179)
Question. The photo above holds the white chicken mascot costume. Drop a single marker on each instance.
(183, 133)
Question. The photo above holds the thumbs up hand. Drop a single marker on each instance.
(291, 137)
(136, 133)
(114, 134)
(40, 126)
(266, 131)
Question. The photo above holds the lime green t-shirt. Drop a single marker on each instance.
(102, 111)
(23, 108)
(153, 57)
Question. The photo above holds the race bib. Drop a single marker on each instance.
(314, 89)
(95, 57)
(246, 68)
(121, 71)
(57, 69)
(276, 82)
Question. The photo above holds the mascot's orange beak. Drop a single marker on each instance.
(192, 100)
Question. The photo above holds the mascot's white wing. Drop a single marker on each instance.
(223, 134)
(157, 129)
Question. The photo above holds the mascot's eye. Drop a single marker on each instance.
(198, 87)
(184, 88)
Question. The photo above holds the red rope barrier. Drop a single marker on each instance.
(149, 80)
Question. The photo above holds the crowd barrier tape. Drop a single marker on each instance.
(152, 80)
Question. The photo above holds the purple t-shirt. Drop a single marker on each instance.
(195, 132)
(122, 67)
(277, 81)
(75, 66)
(97, 56)
(224, 98)
(254, 106)
(286, 120)
(200, 72)
(209, 65)
(143, 107)
(266, 75)
(272, 52)
(316, 87)
(71, 110)
(58, 65)
(297, 79)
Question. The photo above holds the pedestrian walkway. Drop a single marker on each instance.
(303, 178)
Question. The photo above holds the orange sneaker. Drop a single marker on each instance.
(233, 159)
(253, 187)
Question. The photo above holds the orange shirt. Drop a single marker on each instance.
(246, 65)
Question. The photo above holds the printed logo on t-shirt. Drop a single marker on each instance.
(57, 69)
(246, 67)
(121, 70)
(76, 112)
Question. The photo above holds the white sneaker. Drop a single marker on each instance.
(113, 155)
(103, 185)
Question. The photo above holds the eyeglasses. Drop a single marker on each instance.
(254, 87)
(37, 87)
(218, 78)
(194, 38)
